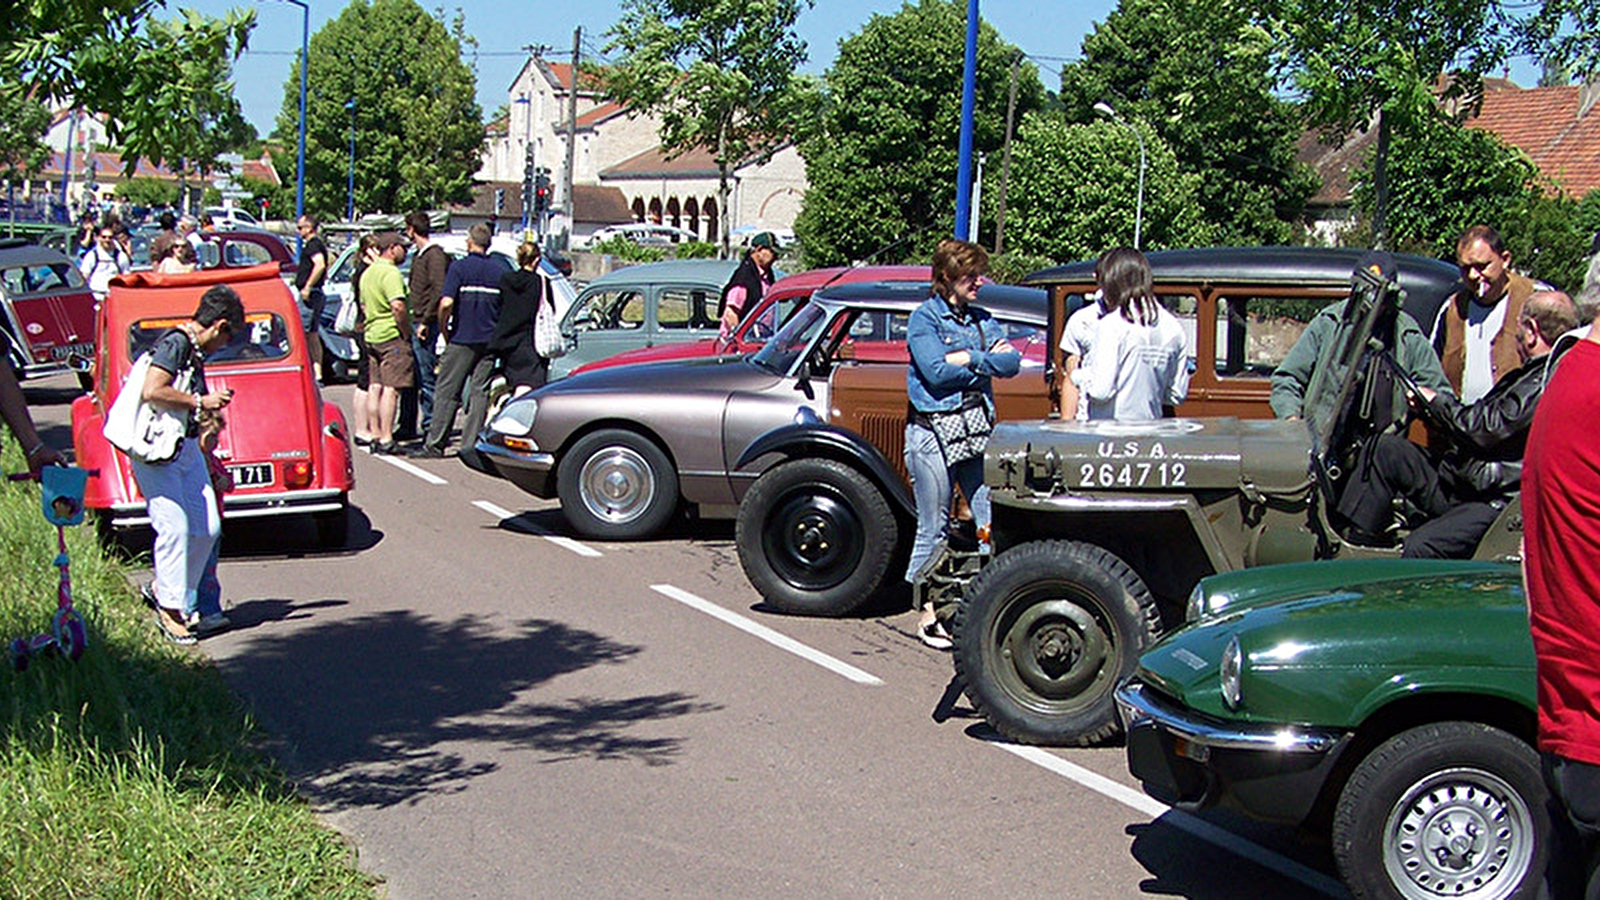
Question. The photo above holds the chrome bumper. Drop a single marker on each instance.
(246, 506)
(1135, 704)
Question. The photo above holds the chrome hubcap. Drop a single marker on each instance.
(1459, 833)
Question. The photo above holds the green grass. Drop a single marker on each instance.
(134, 772)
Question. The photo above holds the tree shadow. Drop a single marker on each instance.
(374, 711)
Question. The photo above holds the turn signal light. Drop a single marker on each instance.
(297, 474)
(522, 445)
(983, 535)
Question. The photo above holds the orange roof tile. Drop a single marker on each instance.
(1545, 124)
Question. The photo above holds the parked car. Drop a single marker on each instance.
(224, 250)
(227, 218)
(339, 352)
(46, 309)
(1101, 529)
(780, 301)
(287, 448)
(1389, 702)
(625, 448)
(643, 306)
(646, 233)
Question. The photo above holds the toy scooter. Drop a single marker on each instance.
(61, 493)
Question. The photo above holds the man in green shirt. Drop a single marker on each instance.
(383, 299)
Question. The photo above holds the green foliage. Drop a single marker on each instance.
(629, 250)
(418, 130)
(1200, 75)
(1548, 241)
(1011, 267)
(134, 771)
(1589, 212)
(145, 191)
(695, 250)
(1074, 190)
(720, 73)
(23, 122)
(882, 161)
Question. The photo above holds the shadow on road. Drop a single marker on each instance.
(1167, 847)
(382, 709)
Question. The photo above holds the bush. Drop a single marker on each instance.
(628, 251)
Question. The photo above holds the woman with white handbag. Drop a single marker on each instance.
(183, 511)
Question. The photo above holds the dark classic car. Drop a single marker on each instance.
(1391, 701)
(46, 310)
(626, 447)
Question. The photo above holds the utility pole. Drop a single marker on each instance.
(572, 142)
(1005, 158)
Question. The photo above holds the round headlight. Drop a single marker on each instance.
(1229, 671)
(1195, 608)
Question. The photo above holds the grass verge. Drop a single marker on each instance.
(134, 772)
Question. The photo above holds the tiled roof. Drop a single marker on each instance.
(696, 163)
(563, 76)
(599, 114)
(1546, 124)
(108, 167)
(594, 203)
(1334, 163)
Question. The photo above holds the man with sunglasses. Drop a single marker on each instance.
(1475, 333)
(102, 262)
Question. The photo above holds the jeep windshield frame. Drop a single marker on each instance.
(1338, 366)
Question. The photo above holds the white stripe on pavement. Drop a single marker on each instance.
(563, 542)
(404, 466)
(1196, 826)
(781, 641)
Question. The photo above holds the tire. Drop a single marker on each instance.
(1413, 807)
(617, 485)
(816, 537)
(71, 636)
(333, 527)
(1045, 633)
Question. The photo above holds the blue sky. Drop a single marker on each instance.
(1049, 32)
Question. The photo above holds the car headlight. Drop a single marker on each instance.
(1203, 605)
(1230, 670)
(516, 418)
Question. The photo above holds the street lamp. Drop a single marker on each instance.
(300, 157)
(350, 203)
(527, 141)
(1104, 109)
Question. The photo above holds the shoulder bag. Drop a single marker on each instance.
(547, 340)
(963, 433)
(148, 433)
(347, 321)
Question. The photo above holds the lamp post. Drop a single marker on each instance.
(527, 142)
(1104, 109)
(350, 202)
(300, 156)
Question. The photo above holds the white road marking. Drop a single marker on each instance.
(781, 641)
(563, 542)
(404, 466)
(1196, 826)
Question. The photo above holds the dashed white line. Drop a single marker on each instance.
(1198, 827)
(406, 467)
(562, 542)
(781, 641)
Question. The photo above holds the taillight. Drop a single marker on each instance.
(297, 474)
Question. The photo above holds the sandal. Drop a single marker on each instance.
(934, 635)
(173, 627)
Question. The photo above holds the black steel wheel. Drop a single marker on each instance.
(816, 537)
(1044, 635)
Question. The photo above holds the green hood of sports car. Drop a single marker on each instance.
(1328, 643)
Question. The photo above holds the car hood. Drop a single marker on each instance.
(724, 373)
(1330, 650)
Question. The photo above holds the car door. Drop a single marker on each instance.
(684, 313)
(603, 322)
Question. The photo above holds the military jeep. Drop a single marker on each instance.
(1102, 529)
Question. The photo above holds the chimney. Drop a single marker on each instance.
(1588, 93)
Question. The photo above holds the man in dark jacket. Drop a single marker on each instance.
(429, 263)
(749, 282)
(1476, 464)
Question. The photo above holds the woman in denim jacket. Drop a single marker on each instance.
(956, 348)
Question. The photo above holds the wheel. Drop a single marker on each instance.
(617, 485)
(71, 637)
(333, 527)
(1043, 636)
(19, 653)
(815, 537)
(1448, 809)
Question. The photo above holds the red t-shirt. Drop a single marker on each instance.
(1561, 517)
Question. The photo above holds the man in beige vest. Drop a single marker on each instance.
(1475, 333)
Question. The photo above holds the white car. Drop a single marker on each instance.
(231, 217)
(646, 233)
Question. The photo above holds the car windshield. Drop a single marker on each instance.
(792, 340)
(1334, 376)
(40, 277)
(265, 337)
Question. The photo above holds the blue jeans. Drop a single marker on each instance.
(206, 598)
(931, 485)
(416, 403)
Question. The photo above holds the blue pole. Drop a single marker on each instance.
(350, 204)
(969, 91)
(300, 161)
(66, 166)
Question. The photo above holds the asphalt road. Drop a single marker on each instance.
(489, 708)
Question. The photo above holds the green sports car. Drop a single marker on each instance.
(1389, 702)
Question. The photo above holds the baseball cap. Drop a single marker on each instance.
(764, 239)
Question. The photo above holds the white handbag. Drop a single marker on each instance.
(547, 339)
(346, 322)
(144, 431)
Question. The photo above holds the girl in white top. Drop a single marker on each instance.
(1140, 361)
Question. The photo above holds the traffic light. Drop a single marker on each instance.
(541, 191)
(499, 200)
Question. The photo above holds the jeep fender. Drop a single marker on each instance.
(833, 442)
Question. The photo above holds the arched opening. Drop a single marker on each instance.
(691, 214)
(638, 210)
(674, 217)
(655, 211)
(713, 229)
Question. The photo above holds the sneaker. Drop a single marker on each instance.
(386, 448)
(172, 625)
(426, 452)
(211, 624)
(934, 635)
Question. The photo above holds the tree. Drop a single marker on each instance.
(1073, 191)
(1201, 76)
(146, 191)
(164, 85)
(1401, 64)
(23, 122)
(720, 73)
(394, 74)
(882, 164)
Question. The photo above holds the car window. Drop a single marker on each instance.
(683, 308)
(15, 280)
(265, 337)
(779, 354)
(614, 310)
(1254, 333)
(244, 253)
(41, 277)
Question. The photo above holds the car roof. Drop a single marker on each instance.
(812, 279)
(21, 251)
(1003, 301)
(136, 295)
(708, 270)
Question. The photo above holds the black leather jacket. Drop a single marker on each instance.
(1484, 441)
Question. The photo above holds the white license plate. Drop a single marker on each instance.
(253, 475)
